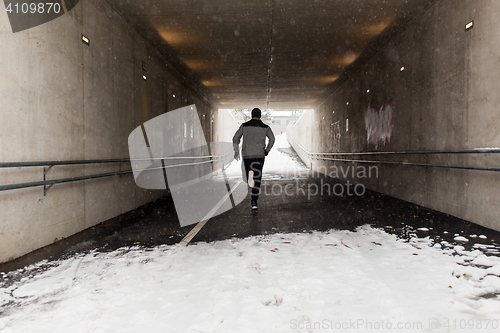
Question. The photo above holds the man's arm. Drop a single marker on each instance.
(236, 142)
(270, 144)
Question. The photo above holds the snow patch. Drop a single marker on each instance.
(258, 284)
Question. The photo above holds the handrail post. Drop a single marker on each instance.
(46, 188)
(120, 170)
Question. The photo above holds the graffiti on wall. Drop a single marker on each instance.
(333, 144)
(379, 124)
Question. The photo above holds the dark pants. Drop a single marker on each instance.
(256, 165)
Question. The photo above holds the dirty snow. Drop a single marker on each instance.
(305, 282)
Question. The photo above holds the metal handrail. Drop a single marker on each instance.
(49, 183)
(298, 144)
(49, 163)
(313, 155)
(59, 181)
(420, 152)
(103, 161)
(463, 167)
(180, 165)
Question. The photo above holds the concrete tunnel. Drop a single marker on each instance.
(408, 87)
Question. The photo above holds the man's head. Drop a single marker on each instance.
(256, 113)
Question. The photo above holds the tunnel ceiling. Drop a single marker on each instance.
(281, 54)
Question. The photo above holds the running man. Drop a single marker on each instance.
(253, 150)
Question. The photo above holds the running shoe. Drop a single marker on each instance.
(254, 205)
(251, 182)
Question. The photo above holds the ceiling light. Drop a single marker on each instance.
(402, 68)
(144, 77)
(85, 40)
(368, 90)
(347, 103)
(328, 79)
(469, 26)
(173, 95)
(346, 59)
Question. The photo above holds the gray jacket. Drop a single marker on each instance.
(254, 134)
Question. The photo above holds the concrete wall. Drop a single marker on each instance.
(300, 135)
(226, 126)
(446, 98)
(63, 100)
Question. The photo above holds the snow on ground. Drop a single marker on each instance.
(277, 165)
(342, 281)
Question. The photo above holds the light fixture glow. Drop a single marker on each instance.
(346, 59)
(347, 103)
(469, 26)
(402, 68)
(368, 90)
(144, 77)
(85, 40)
(173, 95)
